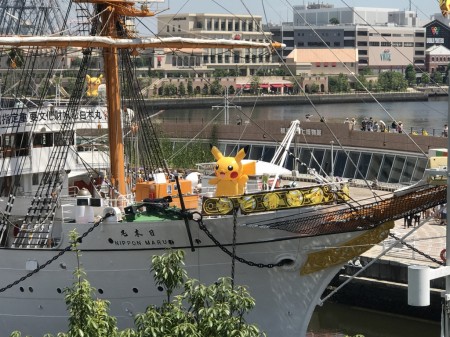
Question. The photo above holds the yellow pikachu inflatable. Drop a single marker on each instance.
(231, 173)
(92, 85)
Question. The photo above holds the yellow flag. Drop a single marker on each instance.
(445, 7)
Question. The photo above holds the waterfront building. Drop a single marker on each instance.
(283, 33)
(437, 33)
(219, 26)
(323, 61)
(437, 59)
(386, 39)
(321, 14)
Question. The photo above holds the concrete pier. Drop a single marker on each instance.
(383, 285)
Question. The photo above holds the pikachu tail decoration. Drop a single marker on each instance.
(231, 173)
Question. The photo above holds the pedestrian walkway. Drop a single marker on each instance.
(429, 238)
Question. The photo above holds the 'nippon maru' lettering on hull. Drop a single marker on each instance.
(141, 242)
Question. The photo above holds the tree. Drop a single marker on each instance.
(314, 88)
(366, 71)
(410, 74)
(254, 84)
(338, 84)
(216, 310)
(334, 21)
(425, 78)
(437, 77)
(216, 88)
(181, 89)
(361, 83)
(391, 80)
(190, 88)
(205, 89)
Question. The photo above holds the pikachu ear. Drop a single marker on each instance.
(241, 154)
(88, 78)
(100, 77)
(216, 153)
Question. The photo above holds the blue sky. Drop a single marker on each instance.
(280, 10)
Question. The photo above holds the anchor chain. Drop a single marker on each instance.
(416, 250)
(233, 261)
(228, 252)
(54, 258)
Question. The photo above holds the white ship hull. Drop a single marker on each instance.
(118, 267)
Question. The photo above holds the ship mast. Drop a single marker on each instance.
(111, 40)
(111, 15)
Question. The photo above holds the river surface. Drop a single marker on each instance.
(430, 115)
(332, 317)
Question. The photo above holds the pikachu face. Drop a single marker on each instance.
(92, 85)
(227, 168)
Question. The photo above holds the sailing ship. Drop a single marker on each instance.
(286, 244)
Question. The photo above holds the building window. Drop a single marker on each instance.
(397, 44)
(409, 44)
(419, 52)
(300, 44)
(420, 34)
(337, 44)
(362, 33)
(362, 52)
(349, 43)
(362, 43)
(420, 44)
(385, 44)
(374, 43)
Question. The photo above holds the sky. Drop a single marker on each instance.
(278, 11)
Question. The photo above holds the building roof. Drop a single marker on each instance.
(323, 55)
(438, 50)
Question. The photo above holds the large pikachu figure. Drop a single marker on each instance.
(231, 173)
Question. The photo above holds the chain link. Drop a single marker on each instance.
(231, 254)
(416, 250)
(54, 258)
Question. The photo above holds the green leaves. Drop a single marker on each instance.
(199, 310)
